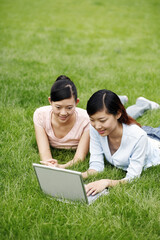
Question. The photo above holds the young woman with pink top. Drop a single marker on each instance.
(61, 124)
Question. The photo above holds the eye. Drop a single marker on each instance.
(102, 121)
(69, 108)
(57, 107)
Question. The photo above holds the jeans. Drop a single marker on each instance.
(152, 132)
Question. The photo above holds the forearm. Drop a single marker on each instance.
(98, 186)
(42, 143)
(88, 172)
(80, 154)
(72, 162)
(46, 155)
(82, 149)
(113, 183)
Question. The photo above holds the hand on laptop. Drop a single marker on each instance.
(97, 186)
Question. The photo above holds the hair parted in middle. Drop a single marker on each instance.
(63, 88)
(111, 103)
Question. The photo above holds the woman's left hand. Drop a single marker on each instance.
(97, 186)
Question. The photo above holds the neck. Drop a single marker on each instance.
(117, 134)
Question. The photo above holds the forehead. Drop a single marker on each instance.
(65, 102)
(101, 115)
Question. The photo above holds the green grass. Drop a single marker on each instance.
(98, 44)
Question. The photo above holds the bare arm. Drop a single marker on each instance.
(43, 144)
(88, 172)
(45, 152)
(82, 150)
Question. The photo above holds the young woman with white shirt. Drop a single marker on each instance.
(62, 124)
(119, 138)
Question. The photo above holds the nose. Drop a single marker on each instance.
(63, 112)
(97, 125)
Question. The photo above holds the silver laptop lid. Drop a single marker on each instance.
(61, 183)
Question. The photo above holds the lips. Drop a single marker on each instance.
(63, 118)
(101, 131)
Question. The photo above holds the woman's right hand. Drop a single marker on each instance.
(97, 186)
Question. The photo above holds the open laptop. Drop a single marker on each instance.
(63, 184)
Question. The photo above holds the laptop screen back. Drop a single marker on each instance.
(61, 183)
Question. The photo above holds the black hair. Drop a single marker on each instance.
(63, 88)
(109, 101)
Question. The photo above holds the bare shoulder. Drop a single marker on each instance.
(82, 113)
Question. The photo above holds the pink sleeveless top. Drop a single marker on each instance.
(42, 118)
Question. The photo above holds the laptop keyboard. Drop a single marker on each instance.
(93, 198)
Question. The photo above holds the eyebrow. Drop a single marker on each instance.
(65, 106)
(101, 118)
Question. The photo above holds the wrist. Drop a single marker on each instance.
(62, 166)
(84, 175)
(113, 183)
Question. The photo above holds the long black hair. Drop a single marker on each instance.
(109, 101)
(63, 88)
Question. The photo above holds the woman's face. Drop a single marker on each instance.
(105, 123)
(63, 110)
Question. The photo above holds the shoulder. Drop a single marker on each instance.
(82, 119)
(82, 113)
(43, 109)
(42, 114)
(134, 131)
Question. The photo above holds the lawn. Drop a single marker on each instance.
(113, 44)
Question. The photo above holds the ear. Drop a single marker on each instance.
(77, 101)
(119, 114)
(49, 99)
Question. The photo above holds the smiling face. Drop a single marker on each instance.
(63, 110)
(106, 124)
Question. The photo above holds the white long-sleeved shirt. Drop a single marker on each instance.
(136, 151)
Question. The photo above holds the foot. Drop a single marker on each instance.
(153, 105)
(124, 99)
